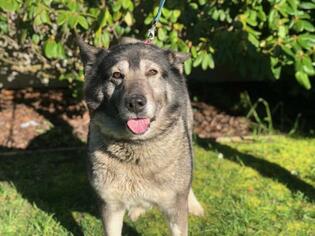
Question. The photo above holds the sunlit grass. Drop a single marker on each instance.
(260, 187)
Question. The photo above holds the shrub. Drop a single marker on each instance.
(255, 38)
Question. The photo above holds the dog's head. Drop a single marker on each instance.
(133, 90)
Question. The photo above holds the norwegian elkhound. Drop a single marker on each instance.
(139, 144)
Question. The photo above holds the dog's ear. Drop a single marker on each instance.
(177, 59)
(88, 53)
(92, 87)
(129, 40)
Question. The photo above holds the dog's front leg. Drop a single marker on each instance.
(178, 217)
(112, 219)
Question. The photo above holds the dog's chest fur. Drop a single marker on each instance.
(141, 174)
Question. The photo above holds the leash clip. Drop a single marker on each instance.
(151, 32)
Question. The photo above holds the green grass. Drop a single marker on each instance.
(261, 187)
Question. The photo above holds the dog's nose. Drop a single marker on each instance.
(136, 103)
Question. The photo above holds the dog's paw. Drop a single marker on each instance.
(135, 213)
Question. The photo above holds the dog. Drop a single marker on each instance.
(140, 133)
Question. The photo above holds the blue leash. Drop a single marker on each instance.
(151, 31)
(158, 15)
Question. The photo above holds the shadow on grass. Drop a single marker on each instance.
(264, 167)
(54, 181)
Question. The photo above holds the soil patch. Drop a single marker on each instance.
(37, 119)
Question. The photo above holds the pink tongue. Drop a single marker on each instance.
(138, 126)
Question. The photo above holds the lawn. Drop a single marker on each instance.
(258, 187)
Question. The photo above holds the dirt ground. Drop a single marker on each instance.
(39, 119)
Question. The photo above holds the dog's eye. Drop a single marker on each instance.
(152, 72)
(117, 75)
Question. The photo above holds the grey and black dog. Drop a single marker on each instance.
(139, 144)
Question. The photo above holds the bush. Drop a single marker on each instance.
(254, 38)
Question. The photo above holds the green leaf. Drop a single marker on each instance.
(194, 6)
(307, 5)
(73, 5)
(275, 67)
(37, 20)
(301, 25)
(308, 26)
(95, 12)
(9, 5)
(98, 39)
(174, 16)
(128, 19)
(83, 22)
(103, 19)
(307, 41)
(193, 51)
(252, 38)
(276, 71)
(176, 13)
(47, 2)
(307, 65)
(50, 48)
(130, 5)
(162, 34)
(211, 61)
(60, 51)
(287, 49)
(303, 79)
(116, 6)
(273, 18)
(173, 37)
(252, 18)
(182, 45)
(282, 31)
(295, 46)
(62, 17)
(115, 17)
(261, 14)
(35, 38)
(44, 17)
(198, 60)
(148, 20)
(3, 26)
(125, 4)
(188, 66)
(205, 61)
(119, 30)
(293, 4)
(215, 15)
(108, 17)
(222, 15)
(73, 20)
(166, 13)
(105, 39)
